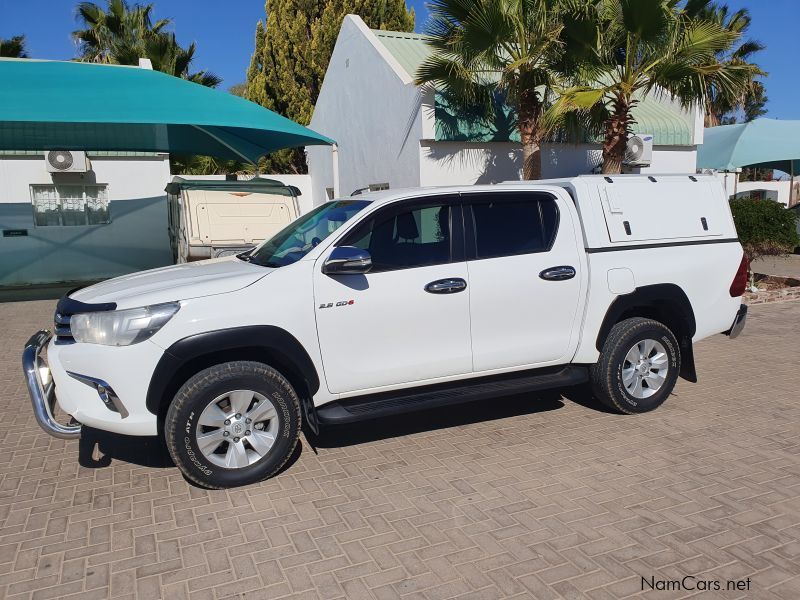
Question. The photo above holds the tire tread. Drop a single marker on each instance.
(603, 371)
(212, 375)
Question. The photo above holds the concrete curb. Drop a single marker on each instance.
(782, 295)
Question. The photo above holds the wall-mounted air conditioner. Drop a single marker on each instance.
(66, 161)
(639, 152)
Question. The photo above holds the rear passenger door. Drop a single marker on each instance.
(525, 284)
(407, 320)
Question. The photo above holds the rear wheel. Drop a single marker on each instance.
(233, 424)
(638, 366)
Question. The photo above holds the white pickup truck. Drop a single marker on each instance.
(396, 301)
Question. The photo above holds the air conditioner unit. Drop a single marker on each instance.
(639, 152)
(66, 161)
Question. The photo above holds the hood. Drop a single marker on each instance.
(177, 282)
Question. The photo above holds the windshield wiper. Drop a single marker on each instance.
(253, 260)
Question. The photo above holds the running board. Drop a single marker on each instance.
(372, 406)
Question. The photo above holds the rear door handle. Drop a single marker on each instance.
(558, 273)
(450, 285)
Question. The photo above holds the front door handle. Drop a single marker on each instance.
(558, 273)
(450, 285)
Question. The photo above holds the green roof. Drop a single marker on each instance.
(409, 49)
(669, 125)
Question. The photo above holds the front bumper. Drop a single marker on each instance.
(738, 323)
(43, 393)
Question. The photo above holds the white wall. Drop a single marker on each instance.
(127, 178)
(135, 239)
(779, 187)
(672, 159)
(458, 163)
(373, 115)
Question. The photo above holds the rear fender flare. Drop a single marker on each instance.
(662, 298)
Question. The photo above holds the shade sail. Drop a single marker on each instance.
(766, 143)
(52, 105)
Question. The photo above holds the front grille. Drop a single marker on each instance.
(63, 329)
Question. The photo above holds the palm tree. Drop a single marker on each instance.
(121, 34)
(720, 106)
(483, 49)
(13, 47)
(621, 51)
(168, 56)
(116, 31)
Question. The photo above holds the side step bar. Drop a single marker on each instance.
(361, 408)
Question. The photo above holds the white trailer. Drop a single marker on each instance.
(213, 218)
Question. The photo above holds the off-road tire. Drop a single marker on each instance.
(606, 373)
(201, 389)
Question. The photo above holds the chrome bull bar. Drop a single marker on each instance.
(42, 393)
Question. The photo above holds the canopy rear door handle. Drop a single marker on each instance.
(558, 273)
(450, 285)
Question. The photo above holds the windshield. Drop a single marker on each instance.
(298, 238)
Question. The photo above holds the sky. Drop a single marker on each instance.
(224, 34)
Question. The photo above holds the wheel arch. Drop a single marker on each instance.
(261, 343)
(664, 302)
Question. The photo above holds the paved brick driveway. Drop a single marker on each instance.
(535, 497)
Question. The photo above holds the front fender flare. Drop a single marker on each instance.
(267, 340)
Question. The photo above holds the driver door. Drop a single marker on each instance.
(391, 326)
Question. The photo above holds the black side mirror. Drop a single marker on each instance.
(347, 260)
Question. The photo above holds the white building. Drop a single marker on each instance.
(391, 132)
(779, 190)
(82, 226)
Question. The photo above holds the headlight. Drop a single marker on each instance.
(121, 327)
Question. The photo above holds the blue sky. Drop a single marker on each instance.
(224, 36)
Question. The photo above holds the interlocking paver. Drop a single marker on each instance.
(544, 496)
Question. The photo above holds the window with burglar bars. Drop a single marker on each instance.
(67, 205)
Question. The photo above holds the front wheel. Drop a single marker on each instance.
(638, 366)
(233, 424)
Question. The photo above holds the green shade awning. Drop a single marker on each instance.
(764, 143)
(52, 105)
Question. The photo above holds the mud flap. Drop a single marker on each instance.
(310, 413)
(688, 371)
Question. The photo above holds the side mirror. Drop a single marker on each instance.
(347, 260)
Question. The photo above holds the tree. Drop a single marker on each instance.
(13, 47)
(239, 89)
(483, 48)
(721, 108)
(621, 51)
(292, 52)
(116, 32)
(121, 34)
(764, 227)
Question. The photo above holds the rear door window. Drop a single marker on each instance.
(508, 224)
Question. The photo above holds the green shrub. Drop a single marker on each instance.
(765, 227)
